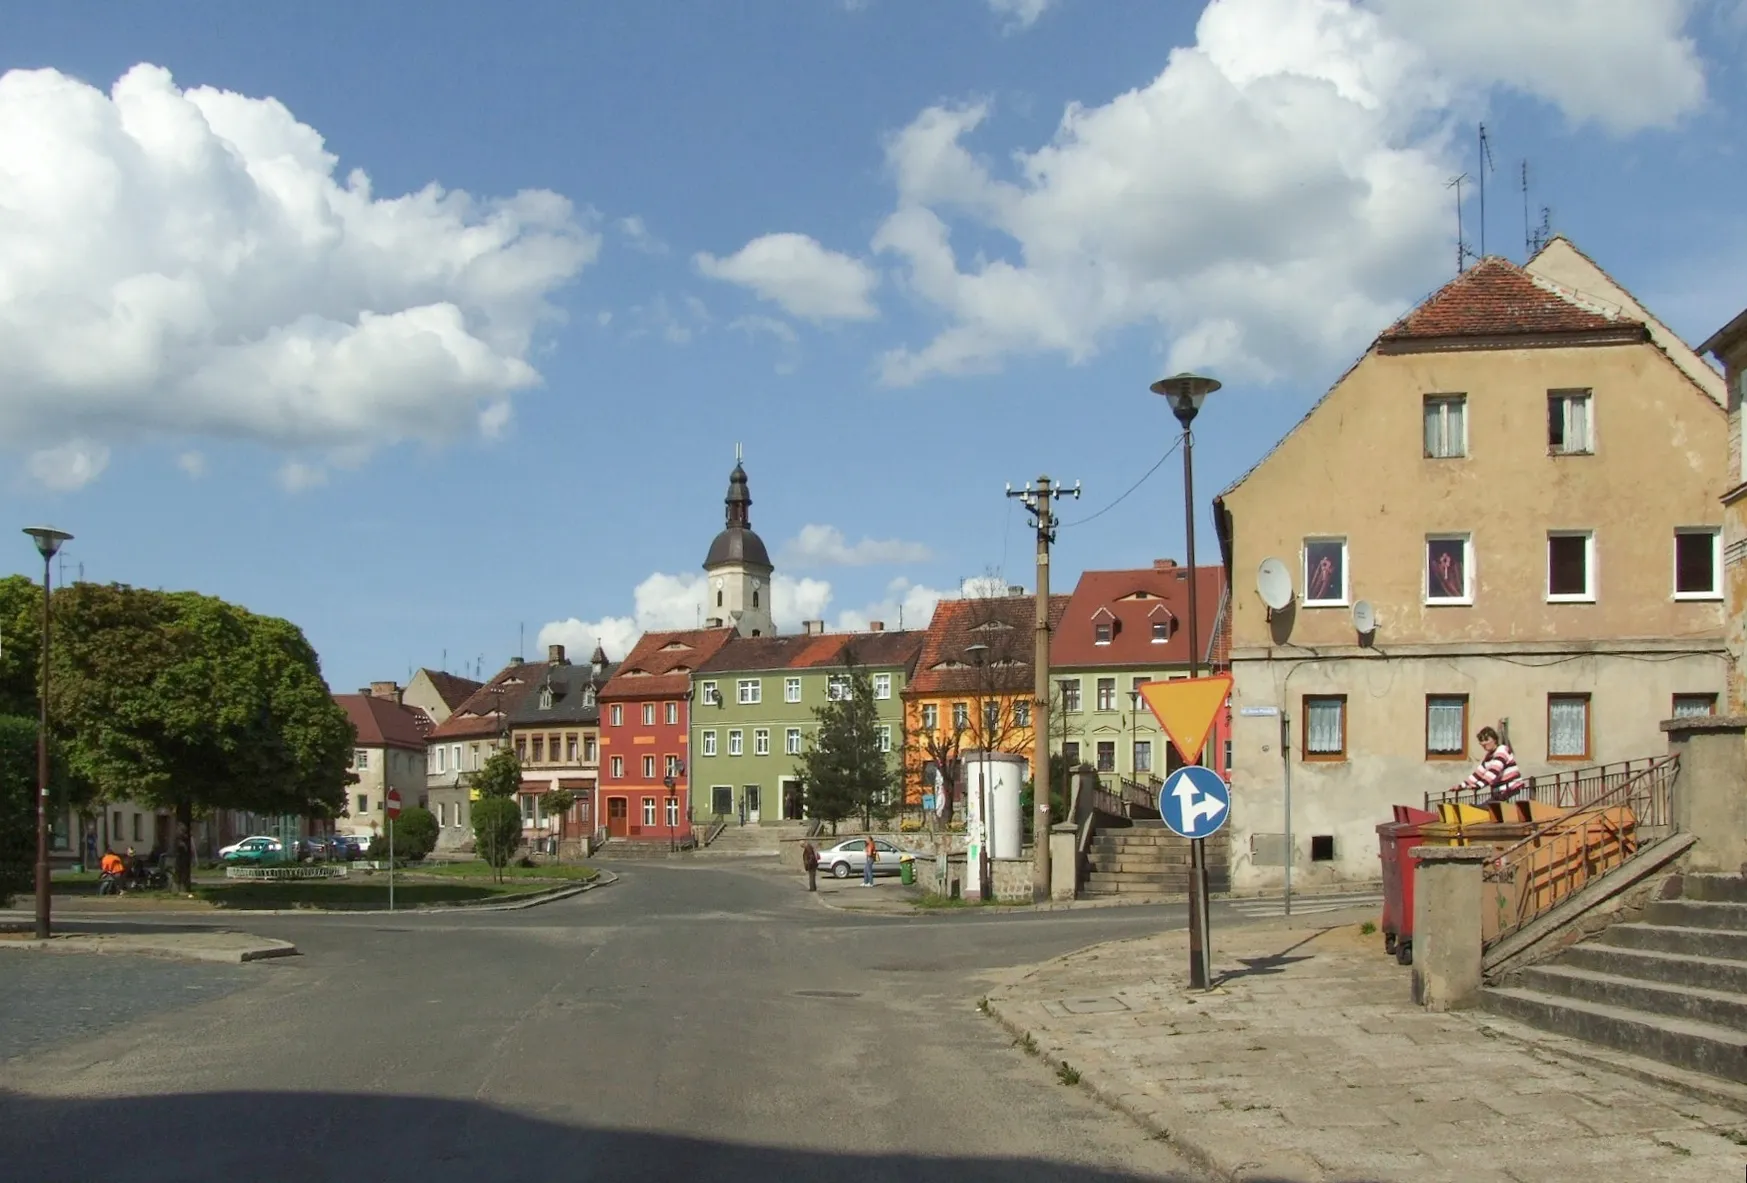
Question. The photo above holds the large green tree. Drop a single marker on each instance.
(186, 702)
(843, 772)
(20, 644)
(17, 805)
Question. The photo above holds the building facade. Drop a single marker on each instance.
(460, 745)
(1506, 513)
(1729, 346)
(438, 694)
(389, 754)
(555, 732)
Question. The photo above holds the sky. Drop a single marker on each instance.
(435, 330)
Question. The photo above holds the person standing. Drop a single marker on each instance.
(870, 856)
(1497, 773)
(810, 860)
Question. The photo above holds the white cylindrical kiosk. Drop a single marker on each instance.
(1006, 777)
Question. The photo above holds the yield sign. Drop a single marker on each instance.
(1186, 709)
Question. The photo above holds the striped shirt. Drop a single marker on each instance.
(1499, 773)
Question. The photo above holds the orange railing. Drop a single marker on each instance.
(1599, 826)
(1571, 789)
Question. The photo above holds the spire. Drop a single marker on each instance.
(739, 499)
(598, 660)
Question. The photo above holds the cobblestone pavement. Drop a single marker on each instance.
(80, 996)
(1309, 1063)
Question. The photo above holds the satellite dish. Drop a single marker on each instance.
(1364, 617)
(1274, 584)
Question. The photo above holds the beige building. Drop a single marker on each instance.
(389, 754)
(1729, 346)
(1520, 482)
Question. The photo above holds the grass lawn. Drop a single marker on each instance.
(477, 869)
(354, 893)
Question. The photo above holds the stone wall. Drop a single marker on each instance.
(1012, 878)
(924, 845)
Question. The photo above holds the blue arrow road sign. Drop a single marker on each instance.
(1194, 802)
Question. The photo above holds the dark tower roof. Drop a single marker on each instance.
(737, 543)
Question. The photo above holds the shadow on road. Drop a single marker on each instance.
(311, 1137)
(1272, 963)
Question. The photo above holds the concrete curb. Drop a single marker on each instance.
(263, 948)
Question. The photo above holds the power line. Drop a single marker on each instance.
(1143, 480)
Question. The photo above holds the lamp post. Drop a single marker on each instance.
(48, 542)
(979, 656)
(1186, 393)
(671, 781)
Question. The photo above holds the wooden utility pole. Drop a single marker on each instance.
(1039, 501)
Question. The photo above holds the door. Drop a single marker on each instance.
(618, 817)
(886, 863)
(752, 803)
(792, 800)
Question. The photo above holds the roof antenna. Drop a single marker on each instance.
(1462, 251)
(737, 456)
(1485, 167)
(522, 640)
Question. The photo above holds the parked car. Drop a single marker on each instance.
(847, 857)
(251, 850)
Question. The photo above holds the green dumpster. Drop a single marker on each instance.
(907, 870)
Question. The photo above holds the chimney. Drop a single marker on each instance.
(712, 622)
(1014, 589)
(387, 690)
(813, 628)
(1164, 564)
(876, 626)
(555, 655)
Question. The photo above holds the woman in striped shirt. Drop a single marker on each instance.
(1497, 771)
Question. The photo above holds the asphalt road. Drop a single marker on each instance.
(697, 1022)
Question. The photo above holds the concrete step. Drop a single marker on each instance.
(1686, 913)
(1692, 942)
(1132, 863)
(634, 848)
(1717, 1008)
(1168, 884)
(1684, 1043)
(1719, 889)
(1675, 969)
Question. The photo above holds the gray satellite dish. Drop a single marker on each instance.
(1364, 618)
(1274, 584)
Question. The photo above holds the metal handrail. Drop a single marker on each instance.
(1572, 788)
(715, 831)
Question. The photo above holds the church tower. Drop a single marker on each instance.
(737, 591)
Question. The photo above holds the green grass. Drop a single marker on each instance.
(477, 869)
(353, 893)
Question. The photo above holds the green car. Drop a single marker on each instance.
(252, 850)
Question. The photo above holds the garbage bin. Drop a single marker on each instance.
(907, 870)
(1394, 840)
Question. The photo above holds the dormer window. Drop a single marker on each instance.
(1101, 633)
(545, 698)
(588, 697)
(1161, 631)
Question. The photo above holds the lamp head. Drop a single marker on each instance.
(1185, 392)
(47, 539)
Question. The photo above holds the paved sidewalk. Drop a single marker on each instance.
(1309, 1063)
(229, 947)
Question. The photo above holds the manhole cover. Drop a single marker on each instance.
(828, 993)
(1093, 1006)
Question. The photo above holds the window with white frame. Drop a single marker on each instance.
(750, 691)
(361, 759)
(1325, 572)
(1101, 633)
(1446, 726)
(709, 743)
(711, 696)
(1106, 694)
(792, 741)
(672, 713)
(1568, 727)
(1570, 423)
(736, 742)
(618, 767)
(930, 717)
(885, 737)
(617, 715)
(440, 761)
(1161, 630)
(648, 767)
(1698, 563)
(1446, 426)
(838, 687)
(1070, 694)
(1449, 575)
(648, 714)
(961, 716)
(882, 685)
(648, 811)
(761, 741)
(1325, 727)
(991, 719)
(1021, 713)
(455, 758)
(1570, 566)
(672, 812)
(791, 690)
(673, 766)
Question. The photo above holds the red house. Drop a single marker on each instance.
(645, 721)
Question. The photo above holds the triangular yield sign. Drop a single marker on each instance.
(1186, 709)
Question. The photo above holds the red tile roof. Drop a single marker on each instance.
(382, 722)
(452, 688)
(475, 718)
(660, 664)
(1496, 298)
(824, 650)
(1006, 624)
(1130, 602)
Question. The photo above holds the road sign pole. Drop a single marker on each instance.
(1195, 802)
(391, 864)
(1199, 977)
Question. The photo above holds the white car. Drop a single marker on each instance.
(250, 850)
(847, 858)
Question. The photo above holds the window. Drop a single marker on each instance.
(838, 687)
(570, 749)
(648, 714)
(618, 715)
(442, 814)
(521, 749)
(361, 759)
(1446, 426)
(672, 714)
(439, 755)
(709, 743)
(761, 741)
(1687, 706)
(1021, 713)
(363, 807)
(527, 809)
(1570, 425)
(618, 767)
(1698, 560)
(885, 737)
(1325, 572)
(1449, 577)
(710, 694)
(991, 719)
(736, 742)
(791, 690)
(1071, 752)
(1106, 755)
(648, 767)
(1143, 755)
(539, 749)
(1567, 726)
(961, 716)
(1161, 631)
(930, 717)
(750, 691)
(1570, 566)
(792, 741)
(455, 758)
(1446, 726)
(648, 811)
(590, 750)
(1101, 633)
(1106, 694)
(473, 756)
(673, 766)
(882, 684)
(721, 800)
(1070, 694)
(1325, 727)
(672, 812)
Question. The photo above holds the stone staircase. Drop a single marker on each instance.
(1670, 987)
(752, 840)
(621, 849)
(1146, 860)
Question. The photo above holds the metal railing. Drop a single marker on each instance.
(715, 831)
(1139, 795)
(1607, 810)
(1570, 789)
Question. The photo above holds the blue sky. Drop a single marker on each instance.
(902, 252)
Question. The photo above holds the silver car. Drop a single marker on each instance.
(847, 857)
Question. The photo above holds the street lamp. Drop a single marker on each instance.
(670, 780)
(979, 656)
(48, 542)
(1186, 393)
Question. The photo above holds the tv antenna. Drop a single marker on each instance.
(1463, 254)
(1485, 166)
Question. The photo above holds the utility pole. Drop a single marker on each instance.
(1039, 501)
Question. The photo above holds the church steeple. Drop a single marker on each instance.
(739, 498)
(739, 565)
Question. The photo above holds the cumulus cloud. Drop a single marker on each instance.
(186, 263)
(804, 278)
(68, 466)
(1020, 14)
(192, 464)
(1274, 194)
(825, 546)
(638, 237)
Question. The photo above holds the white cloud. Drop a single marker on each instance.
(803, 277)
(69, 466)
(1020, 14)
(1274, 195)
(295, 476)
(664, 601)
(789, 341)
(658, 317)
(637, 235)
(193, 464)
(825, 546)
(186, 263)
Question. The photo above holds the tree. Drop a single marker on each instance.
(500, 776)
(844, 772)
(497, 831)
(415, 834)
(17, 805)
(20, 645)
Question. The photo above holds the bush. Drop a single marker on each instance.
(497, 830)
(415, 834)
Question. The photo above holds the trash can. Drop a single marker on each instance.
(1394, 840)
(907, 870)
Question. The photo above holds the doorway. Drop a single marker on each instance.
(618, 817)
(721, 800)
(794, 802)
(751, 798)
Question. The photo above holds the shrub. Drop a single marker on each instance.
(497, 830)
(415, 834)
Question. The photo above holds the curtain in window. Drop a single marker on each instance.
(1577, 425)
(1688, 707)
(1567, 727)
(1324, 725)
(1444, 725)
